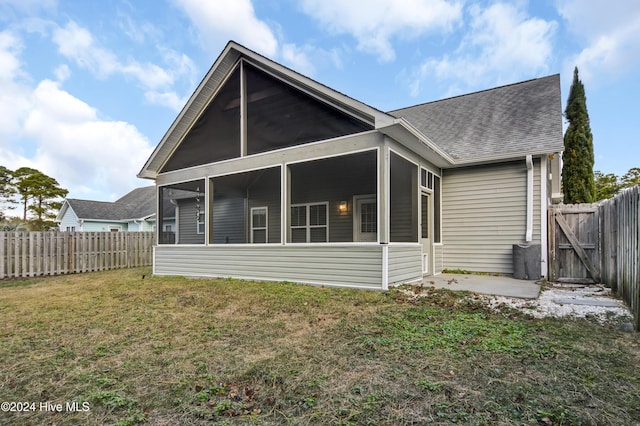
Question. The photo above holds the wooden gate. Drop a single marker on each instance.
(574, 243)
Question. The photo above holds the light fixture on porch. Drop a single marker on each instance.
(342, 207)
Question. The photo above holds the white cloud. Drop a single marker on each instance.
(501, 45)
(611, 32)
(217, 22)
(47, 128)
(374, 23)
(78, 44)
(13, 102)
(79, 149)
(297, 58)
(62, 73)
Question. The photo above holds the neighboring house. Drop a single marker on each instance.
(274, 176)
(134, 212)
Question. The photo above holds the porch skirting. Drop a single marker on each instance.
(367, 266)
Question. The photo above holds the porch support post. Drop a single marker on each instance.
(384, 184)
(383, 192)
(243, 111)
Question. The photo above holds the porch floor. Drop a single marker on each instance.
(486, 284)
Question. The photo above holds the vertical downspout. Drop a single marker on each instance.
(529, 230)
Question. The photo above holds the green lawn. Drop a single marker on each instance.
(165, 351)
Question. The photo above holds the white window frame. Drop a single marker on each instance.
(307, 226)
(260, 228)
(428, 178)
(200, 224)
(115, 228)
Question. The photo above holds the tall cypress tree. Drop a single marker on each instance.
(577, 171)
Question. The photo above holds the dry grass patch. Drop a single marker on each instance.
(196, 351)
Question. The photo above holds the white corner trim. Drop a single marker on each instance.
(385, 267)
(544, 201)
(529, 230)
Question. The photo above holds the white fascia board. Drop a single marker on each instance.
(63, 210)
(407, 128)
(145, 173)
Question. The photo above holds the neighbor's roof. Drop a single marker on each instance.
(137, 204)
(499, 123)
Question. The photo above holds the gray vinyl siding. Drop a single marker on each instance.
(484, 214)
(350, 175)
(438, 258)
(188, 224)
(352, 266)
(228, 220)
(403, 210)
(405, 263)
(266, 193)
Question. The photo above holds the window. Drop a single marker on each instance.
(309, 223)
(71, 228)
(431, 181)
(115, 228)
(200, 224)
(426, 178)
(259, 225)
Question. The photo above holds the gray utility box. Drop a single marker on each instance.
(526, 261)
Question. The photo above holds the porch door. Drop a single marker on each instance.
(365, 219)
(425, 231)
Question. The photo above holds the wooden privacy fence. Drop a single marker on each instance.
(599, 243)
(31, 254)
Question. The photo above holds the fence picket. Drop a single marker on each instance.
(30, 254)
(618, 234)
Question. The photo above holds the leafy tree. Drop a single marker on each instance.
(606, 185)
(577, 171)
(7, 190)
(42, 191)
(631, 178)
(25, 181)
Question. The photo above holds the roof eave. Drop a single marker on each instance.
(505, 158)
(401, 127)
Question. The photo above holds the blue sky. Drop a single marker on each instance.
(88, 88)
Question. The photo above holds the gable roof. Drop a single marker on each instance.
(494, 124)
(498, 124)
(215, 78)
(137, 204)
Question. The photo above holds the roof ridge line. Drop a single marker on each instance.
(472, 93)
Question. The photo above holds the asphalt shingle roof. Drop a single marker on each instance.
(140, 202)
(496, 123)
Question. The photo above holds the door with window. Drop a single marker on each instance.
(425, 231)
(365, 219)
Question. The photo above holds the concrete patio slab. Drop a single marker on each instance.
(486, 284)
